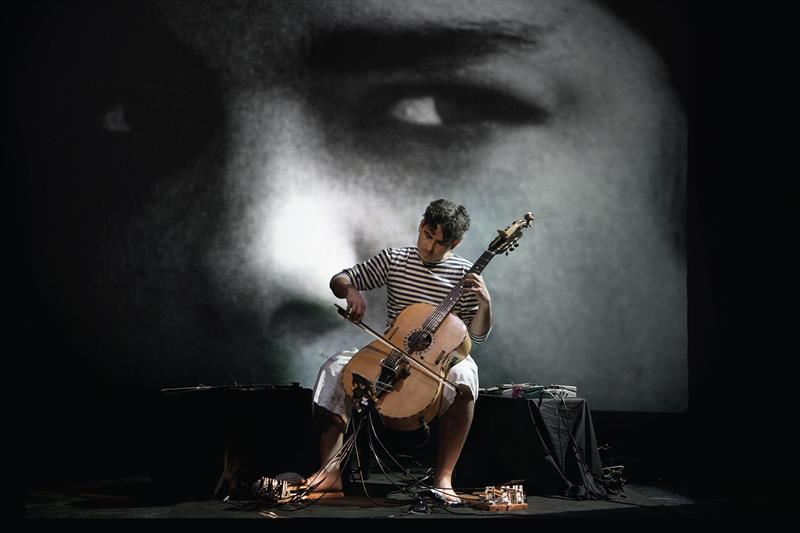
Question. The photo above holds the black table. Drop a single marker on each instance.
(550, 443)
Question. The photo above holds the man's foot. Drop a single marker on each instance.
(324, 481)
(446, 495)
(267, 490)
(443, 490)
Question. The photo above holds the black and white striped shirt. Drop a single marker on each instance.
(408, 280)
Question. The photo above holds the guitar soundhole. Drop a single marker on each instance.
(418, 341)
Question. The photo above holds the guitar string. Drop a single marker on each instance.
(427, 325)
(435, 319)
(432, 322)
(455, 294)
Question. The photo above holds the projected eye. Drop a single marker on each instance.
(421, 110)
(448, 106)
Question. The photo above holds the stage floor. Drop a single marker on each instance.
(133, 498)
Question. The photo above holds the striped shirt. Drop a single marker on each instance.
(408, 280)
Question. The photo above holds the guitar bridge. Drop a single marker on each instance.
(363, 392)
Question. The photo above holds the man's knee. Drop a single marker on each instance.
(464, 395)
(325, 419)
(463, 403)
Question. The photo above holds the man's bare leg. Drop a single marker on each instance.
(453, 429)
(332, 429)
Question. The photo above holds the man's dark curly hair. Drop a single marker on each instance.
(453, 219)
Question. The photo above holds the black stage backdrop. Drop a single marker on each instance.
(63, 421)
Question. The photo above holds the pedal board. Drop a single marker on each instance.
(500, 507)
(502, 498)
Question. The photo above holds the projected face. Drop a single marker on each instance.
(229, 158)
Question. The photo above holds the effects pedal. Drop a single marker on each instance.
(502, 498)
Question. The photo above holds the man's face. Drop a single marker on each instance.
(431, 244)
(223, 163)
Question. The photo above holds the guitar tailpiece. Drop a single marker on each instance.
(424, 425)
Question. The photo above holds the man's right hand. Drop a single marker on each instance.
(356, 305)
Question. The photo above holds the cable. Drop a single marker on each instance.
(576, 450)
(401, 488)
(582, 467)
(588, 483)
(405, 485)
(300, 500)
(404, 488)
(388, 453)
(363, 485)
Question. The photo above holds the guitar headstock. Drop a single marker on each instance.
(508, 239)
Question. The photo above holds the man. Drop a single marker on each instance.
(192, 172)
(425, 273)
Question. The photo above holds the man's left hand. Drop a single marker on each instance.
(474, 284)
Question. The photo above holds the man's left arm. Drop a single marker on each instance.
(481, 324)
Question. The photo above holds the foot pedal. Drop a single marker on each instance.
(503, 498)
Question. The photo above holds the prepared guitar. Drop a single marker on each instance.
(403, 372)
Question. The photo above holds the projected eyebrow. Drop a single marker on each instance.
(360, 49)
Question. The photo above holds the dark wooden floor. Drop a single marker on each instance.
(134, 498)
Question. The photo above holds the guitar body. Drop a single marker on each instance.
(406, 396)
(417, 396)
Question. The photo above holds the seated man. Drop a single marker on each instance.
(423, 273)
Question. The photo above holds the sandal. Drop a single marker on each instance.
(444, 498)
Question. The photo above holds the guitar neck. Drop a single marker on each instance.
(452, 299)
(482, 261)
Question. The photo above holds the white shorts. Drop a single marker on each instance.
(329, 393)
